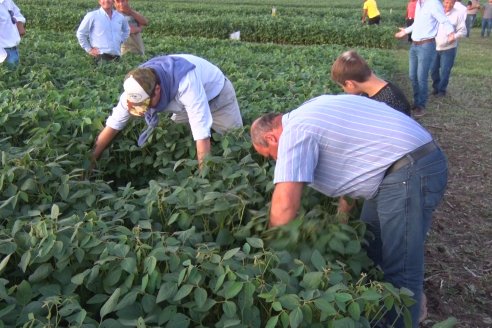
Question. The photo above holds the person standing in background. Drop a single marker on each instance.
(410, 16)
(446, 52)
(11, 30)
(102, 32)
(134, 44)
(428, 15)
(370, 10)
(486, 18)
(471, 15)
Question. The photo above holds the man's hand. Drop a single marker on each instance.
(94, 52)
(400, 34)
(451, 37)
(21, 28)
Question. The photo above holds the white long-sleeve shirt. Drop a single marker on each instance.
(195, 90)
(9, 35)
(458, 20)
(428, 15)
(98, 30)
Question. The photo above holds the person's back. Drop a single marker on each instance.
(353, 74)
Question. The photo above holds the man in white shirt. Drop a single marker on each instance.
(446, 51)
(102, 32)
(11, 30)
(190, 87)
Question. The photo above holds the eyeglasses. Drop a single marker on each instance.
(12, 18)
(139, 109)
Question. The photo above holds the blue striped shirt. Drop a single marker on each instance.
(342, 145)
(428, 15)
(98, 30)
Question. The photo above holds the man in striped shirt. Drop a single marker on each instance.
(349, 145)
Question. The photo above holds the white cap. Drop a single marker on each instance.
(134, 91)
(3, 55)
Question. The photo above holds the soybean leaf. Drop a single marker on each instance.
(230, 253)
(200, 296)
(167, 314)
(289, 301)
(229, 309)
(183, 291)
(232, 288)
(24, 293)
(167, 289)
(255, 242)
(111, 303)
(178, 320)
(354, 310)
(295, 317)
(4, 262)
(272, 322)
(311, 280)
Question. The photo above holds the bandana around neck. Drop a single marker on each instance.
(169, 70)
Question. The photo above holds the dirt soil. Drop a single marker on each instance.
(458, 279)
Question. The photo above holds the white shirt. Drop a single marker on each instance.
(9, 35)
(98, 30)
(428, 15)
(195, 90)
(458, 20)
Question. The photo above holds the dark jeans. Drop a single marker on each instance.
(441, 69)
(486, 24)
(470, 20)
(374, 20)
(105, 58)
(400, 216)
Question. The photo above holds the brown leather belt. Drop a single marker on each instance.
(418, 43)
(412, 156)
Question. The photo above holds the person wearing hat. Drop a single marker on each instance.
(102, 32)
(11, 30)
(191, 88)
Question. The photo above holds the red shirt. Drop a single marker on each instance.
(411, 9)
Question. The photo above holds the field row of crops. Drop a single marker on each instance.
(150, 241)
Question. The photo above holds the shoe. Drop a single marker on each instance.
(434, 92)
(418, 111)
(441, 94)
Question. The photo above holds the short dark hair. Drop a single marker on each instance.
(350, 66)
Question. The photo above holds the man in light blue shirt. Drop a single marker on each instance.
(428, 15)
(355, 146)
(191, 88)
(102, 32)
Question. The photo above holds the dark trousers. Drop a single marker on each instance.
(374, 20)
(105, 58)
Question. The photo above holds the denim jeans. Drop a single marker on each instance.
(441, 69)
(486, 24)
(420, 61)
(12, 60)
(470, 20)
(399, 216)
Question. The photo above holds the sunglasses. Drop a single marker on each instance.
(139, 109)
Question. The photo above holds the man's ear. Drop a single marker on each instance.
(271, 138)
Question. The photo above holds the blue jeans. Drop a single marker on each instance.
(441, 69)
(12, 57)
(470, 20)
(420, 61)
(486, 24)
(399, 216)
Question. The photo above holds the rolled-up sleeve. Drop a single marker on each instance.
(192, 96)
(17, 14)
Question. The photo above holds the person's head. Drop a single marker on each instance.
(350, 69)
(106, 4)
(142, 90)
(265, 134)
(448, 5)
(120, 4)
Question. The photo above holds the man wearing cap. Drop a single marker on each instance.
(11, 30)
(189, 87)
(102, 32)
(361, 148)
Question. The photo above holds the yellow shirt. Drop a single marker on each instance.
(372, 8)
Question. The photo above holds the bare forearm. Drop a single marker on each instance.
(141, 20)
(286, 201)
(202, 150)
(102, 142)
